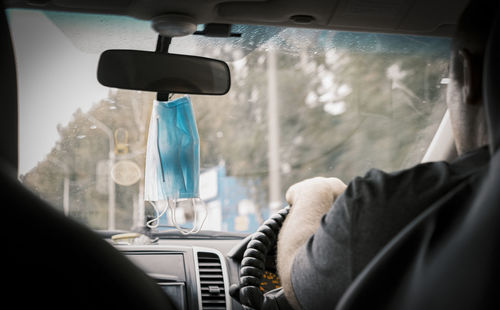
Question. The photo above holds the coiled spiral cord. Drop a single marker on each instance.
(254, 261)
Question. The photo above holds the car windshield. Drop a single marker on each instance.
(303, 103)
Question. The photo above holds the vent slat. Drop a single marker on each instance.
(211, 275)
(213, 294)
(208, 259)
(210, 296)
(205, 289)
(206, 265)
(220, 283)
(211, 270)
(223, 301)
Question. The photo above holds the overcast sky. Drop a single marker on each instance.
(54, 79)
(56, 75)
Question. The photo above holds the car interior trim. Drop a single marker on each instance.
(442, 146)
(225, 276)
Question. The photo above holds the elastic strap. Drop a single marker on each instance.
(170, 208)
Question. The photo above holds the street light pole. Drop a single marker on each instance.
(273, 133)
(66, 184)
(111, 183)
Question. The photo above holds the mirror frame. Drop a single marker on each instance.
(123, 69)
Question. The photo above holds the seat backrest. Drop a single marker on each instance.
(491, 78)
(52, 261)
(448, 257)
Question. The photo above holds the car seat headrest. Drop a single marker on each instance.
(491, 85)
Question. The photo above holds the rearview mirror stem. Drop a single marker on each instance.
(162, 45)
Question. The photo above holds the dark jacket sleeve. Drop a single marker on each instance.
(372, 210)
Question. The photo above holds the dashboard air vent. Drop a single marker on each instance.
(213, 295)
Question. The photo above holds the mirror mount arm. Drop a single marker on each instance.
(162, 45)
(218, 31)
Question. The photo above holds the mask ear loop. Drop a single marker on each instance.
(156, 220)
(193, 230)
(196, 213)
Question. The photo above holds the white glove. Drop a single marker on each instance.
(310, 200)
(316, 194)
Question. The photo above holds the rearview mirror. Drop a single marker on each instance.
(163, 73)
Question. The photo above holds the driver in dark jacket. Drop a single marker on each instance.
(333, 231)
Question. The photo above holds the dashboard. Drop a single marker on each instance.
(196, 274)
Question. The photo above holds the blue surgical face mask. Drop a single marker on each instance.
(173, 157)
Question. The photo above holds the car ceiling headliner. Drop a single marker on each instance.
(425, 17)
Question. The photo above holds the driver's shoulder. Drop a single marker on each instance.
(420, 184)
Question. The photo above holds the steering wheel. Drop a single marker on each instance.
(253, 263)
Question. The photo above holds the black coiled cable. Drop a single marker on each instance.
(254, 261)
